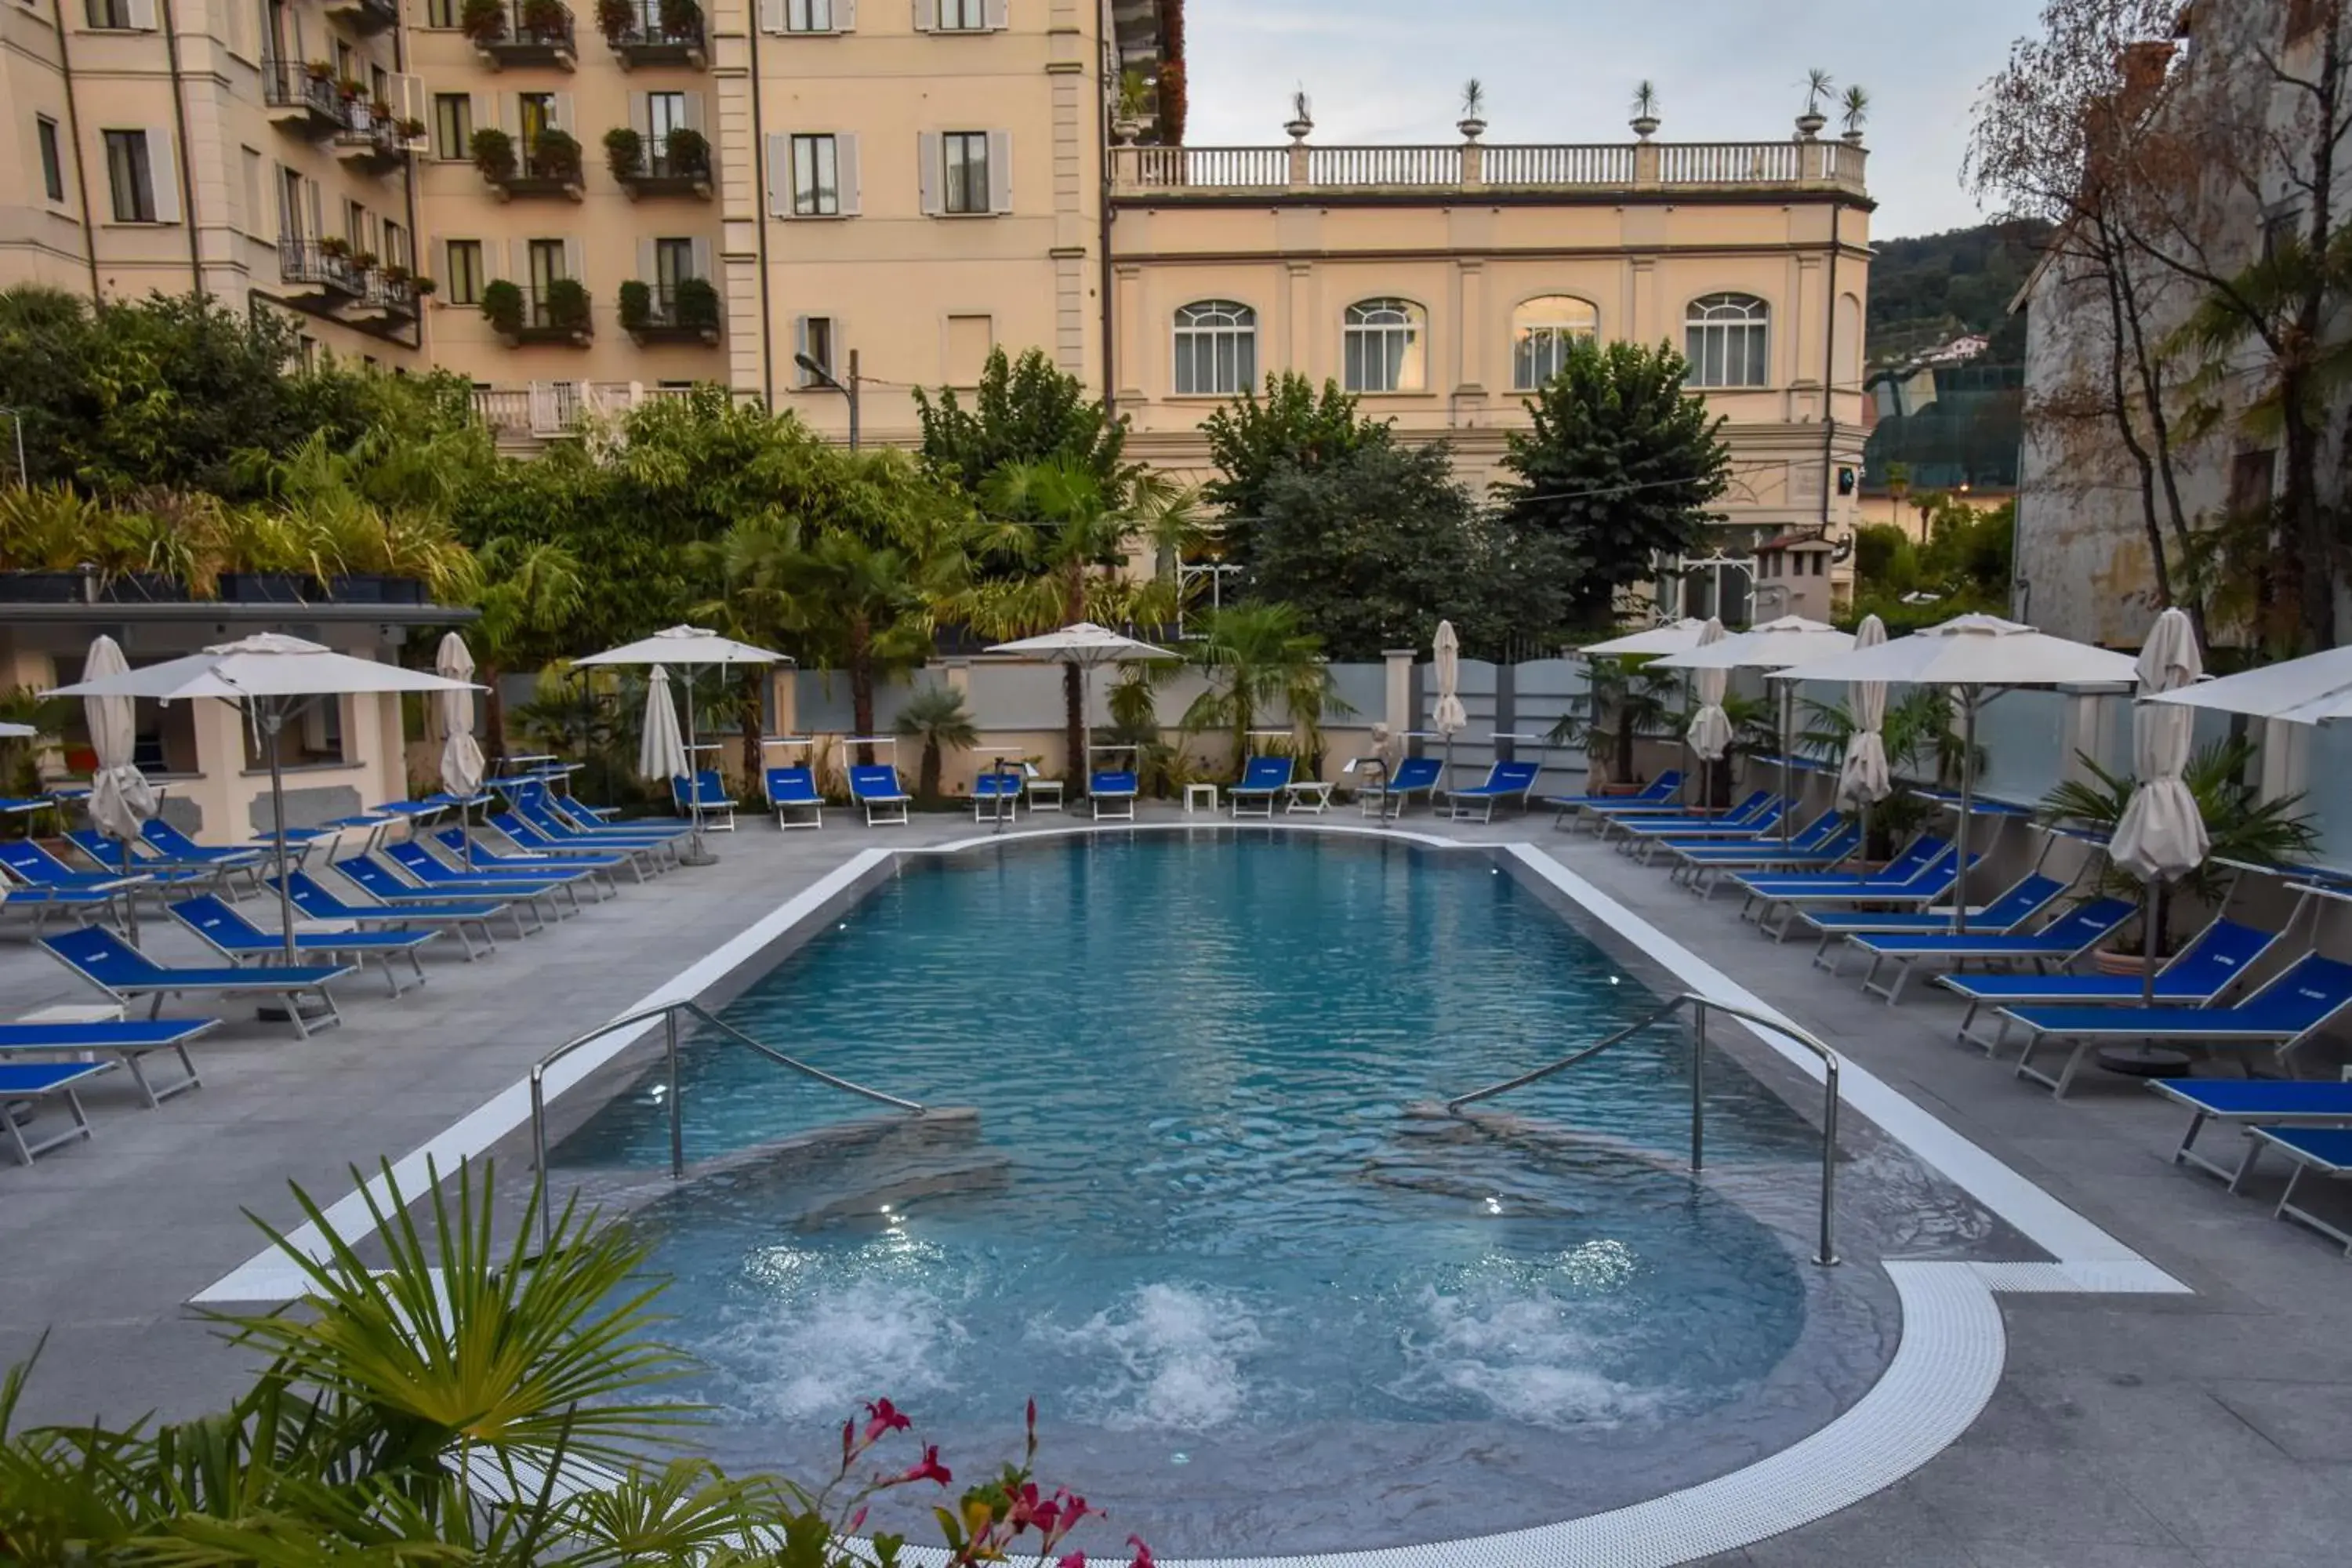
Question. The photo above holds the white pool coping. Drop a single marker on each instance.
(1947, 1363)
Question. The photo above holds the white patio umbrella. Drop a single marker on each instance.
(1779, 645)
(2315, 689)
(1864, 779)
(1675, 636)
(461, 754)
(119, 795)
(688, 649)
(271, 678)
(1086, 647)
(2162, 835)
(1709, 734)
(1448, 717)
(1978, 657)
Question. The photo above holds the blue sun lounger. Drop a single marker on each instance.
(491, 876)
(2281, 1013)
(2326, 1150)
(146, 860)
(2060, 942)
(376, 880)
(1745, 813)
(1938, 879)
(1505, 781)
(710, 794)
(239, 940)
(488, 863)
(34, 865)
(176, 845)
(2193, 977)
(2248, 1103)
(41, 1081)
(794, 789)
(1659, 791)
(2011, 910)
(527, 836)
(996, 792)
(1748, 841)
(128, 1040)
(83, 904)
(125, 973)
(568, 814)
(878, 787)
(460, 916)
(1414, 776)
(1702, 867)
(1112, 793)
(1263, 778)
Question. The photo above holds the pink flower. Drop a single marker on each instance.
(857, 1519)
(1075, 1560)
(884, 1416)
(1143, 1552)
(930, 1470)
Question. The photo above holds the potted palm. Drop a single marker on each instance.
(1854, 111)
(1300, 121)
(1818, 86)
(1646, 110)
(1472, 124)
(1626, 705)
(936, 716)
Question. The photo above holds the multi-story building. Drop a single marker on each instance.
(770, 193)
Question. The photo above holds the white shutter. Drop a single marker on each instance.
(702, 267)
(511, 116)
(801, 376)
(927, 16)
(844, 15)
(163, 173)
(436, 251)
(408, 97)
(560, 115)
(494, 261)
(484, 114)
(318, 208)
(694, 111)
(646, 267)
(845, 172)
(772, 15)
(999, 14)
(780, 174)
(1000, 171)
(519, 261)
(142, 15)
(575, 260)
(926, 155)
(641, 117)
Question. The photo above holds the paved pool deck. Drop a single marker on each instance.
(2213, 1427)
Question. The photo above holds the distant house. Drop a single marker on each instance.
(1793, 578)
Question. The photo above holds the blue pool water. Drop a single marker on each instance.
(1205, 1217)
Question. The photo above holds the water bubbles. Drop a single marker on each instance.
(1494, 1205)
(1176, 1356)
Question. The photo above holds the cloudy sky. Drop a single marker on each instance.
(1561, 70)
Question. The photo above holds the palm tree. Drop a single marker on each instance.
(529, 593)
(751, 565)
(1626, 703)
(1256, 658)
(937, 715)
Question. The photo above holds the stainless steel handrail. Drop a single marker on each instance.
(1700, 1006)
(668, 1014)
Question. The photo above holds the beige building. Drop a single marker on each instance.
(914, 183)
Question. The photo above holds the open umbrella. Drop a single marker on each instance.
(2162, 835)
(688, 649)
(272, 678)
(1864, 779)
(461, 754)
(1448, 718)
(10, 731)
(1978, 657)
(1087, 646)
(1675, 636)
(119, 795)
(1777, 644)
(2314, 690)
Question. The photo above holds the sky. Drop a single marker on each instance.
(1563, 71)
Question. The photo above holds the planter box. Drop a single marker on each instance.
(376, 588)
(266, 587)
(144, 588)
(40, 587)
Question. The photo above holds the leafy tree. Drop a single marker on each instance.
(530, 595)
(752, 566)
(1628, 703)
(937, 715)
(1621, 464)
(1884, 559)
(1257, 658)
(1294, 426)
(1024, 411)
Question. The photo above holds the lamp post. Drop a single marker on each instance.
(820, 376)
(24, 475)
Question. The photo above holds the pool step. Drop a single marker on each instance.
(872, 1191)
(817, 1154)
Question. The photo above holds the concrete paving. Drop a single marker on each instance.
(2210, 1428)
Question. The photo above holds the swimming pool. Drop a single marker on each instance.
(1263, 1297)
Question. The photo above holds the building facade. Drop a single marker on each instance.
(579, 211)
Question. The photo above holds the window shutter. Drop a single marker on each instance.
(494, 261)
(702, 267)
(780, 174)
(647, 268)
(409, 97)
(575, 260)
(927, 16)
(511, 112)
(482, 114)
(772, 15)
(694, 111)
(142, 15)
(163, 173)
(844, 15)
(1000, 171)
(562, 112)
(927, 153)
(845, 172)
(799, 346)
(438, 249)
(518, 260)
(641, 116)
(999, 14)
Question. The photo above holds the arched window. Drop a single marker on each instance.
(1541, 330)
(1382, 346)
(1216, 347)
(1727, 339)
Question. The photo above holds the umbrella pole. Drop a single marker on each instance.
(130, 899)
(1967, 806)
(697, 854)
(2149, 910)
(1690, 766)
(272, 722)
(1787, 802)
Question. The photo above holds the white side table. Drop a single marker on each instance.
(74, 1013)
(1312, 795)
(1200, 791)
(1044, 794)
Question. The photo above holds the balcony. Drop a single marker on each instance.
(364, 17)
(388, 302)
(320, 276)
(533, 32)
(654, 32)
(548, 165)
(680, 169)
(539, 411)
(296, 97)
(374, 139)
(556, 314)
(1152, 175)
(685, 312)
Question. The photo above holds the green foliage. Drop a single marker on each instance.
(20, 772)
(567, 305)
(484, 21)
(555, 156)
(1929, 289)
(1920, 742)
(1628, 703)
(1621, 463)
(936, 715)
(686, 151)
(1965, 565)
(637, 304)
(624, 150)
(1257, 659)
(1024, 411)
(1294, 426)
(502, 306)
(493, 151)
(696, 302)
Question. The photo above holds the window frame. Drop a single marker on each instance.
(135, 166)
(952, 175)
(812, 328)
(659, 102)
(460, 107)
(53, 157)
(464, 286)
(1526, 356)
(444, 14)
(961, 9)
(801, 17)
(1708, 339)
(823, 184)
(109, 17)
(1210, 326)
(1358, 332)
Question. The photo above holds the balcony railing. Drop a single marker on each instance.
(544, 320)
(669, 319)
(366, 15)
(371, 138)
(660, 33)
(536, 33)
(550, 409)
(542, 170)
(1157, 174)
(288, 85)
(390, 296)
(658, 174)
(303, 262)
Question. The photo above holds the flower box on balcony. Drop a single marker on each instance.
(534, 32)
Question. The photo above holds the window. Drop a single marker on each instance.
(816, 181)
(665, 112)
(1541, 330)
(464, 284)
(546, 265)
(395, 246)
(966, 154)
(538, 115)
(1727, 339)
(53, 169)
(1381, 346)
(355, 226)
(130, 176)
(808, 15)
(963, 15)
(443, 13)
(250, 158)
(673, 264)
(111, 13)
(816, 345)
(291, 206)
(453, 126)
(1216, 348)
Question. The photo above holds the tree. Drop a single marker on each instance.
(1256, 656)
(752, 566)
(530, 593)
(1293, 427)
(1620, 465)
(1627, 703)
(937, 715)
(1024, 411)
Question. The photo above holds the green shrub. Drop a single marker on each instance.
(493, 152)
(502, 306)
(555, 156)
(686, 151)
(696, 303)
(636, 305)
(484, 21)
(567, 305)
(624, 152)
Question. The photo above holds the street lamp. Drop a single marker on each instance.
(820, 376)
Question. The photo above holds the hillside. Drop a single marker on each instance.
(1934, 287)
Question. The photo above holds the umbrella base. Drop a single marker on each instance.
(276, 1013)
(2145, 1061)
(697, 856)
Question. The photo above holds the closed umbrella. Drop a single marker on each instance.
(1864, 779)
(461, 754)
(1709, 735)
(119, 795)
(1448, 718)
(661, 750)
(1777, 644)
(2162, 835)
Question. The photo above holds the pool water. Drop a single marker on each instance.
(1207, 1216)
